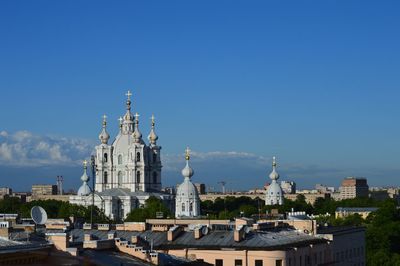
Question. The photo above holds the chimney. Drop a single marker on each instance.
(198, 232)
(174, 232)
(88, 237)
(111, 235)
(239, 233)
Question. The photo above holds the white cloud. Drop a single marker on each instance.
(24, 148)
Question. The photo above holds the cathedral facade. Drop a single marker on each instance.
(128, 171)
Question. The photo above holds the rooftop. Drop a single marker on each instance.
(215, 239)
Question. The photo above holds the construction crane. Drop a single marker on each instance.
(222, 183)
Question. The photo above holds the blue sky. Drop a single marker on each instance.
(315, 83)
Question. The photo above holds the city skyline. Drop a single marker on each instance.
(238, 87)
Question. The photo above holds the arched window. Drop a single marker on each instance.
(120, 159)
(154, 157)
(183, 207)
(191, 207)
(155, 177)
(138, 157)
(119, 178)
(138, 177)
(105, 157)
(105, 177)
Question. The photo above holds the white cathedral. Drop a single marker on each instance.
(128, 171)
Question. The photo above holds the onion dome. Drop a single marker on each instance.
(104, 136)
(274, 175)
(137, 135)
(187, 172)
(152, 136)
(84, 190)
(128, 115)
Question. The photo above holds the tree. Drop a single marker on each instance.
(149, 211)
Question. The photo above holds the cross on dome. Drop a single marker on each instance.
(137, 116)
(120, 120)
(85, 163)
(152, 119)
(104, 118)
(128, 95)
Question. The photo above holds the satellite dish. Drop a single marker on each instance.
(39, 215)
(247, 229)
(204, 230)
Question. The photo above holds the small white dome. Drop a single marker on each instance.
(84, 190)
(187, 190)
(274, 189)
(187, 201)
(187, 172)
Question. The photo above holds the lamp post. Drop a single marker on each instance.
(93, 178)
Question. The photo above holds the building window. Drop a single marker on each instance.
(155, 177)
(238, 263)
(120, 159)
(154, 157)
(105, 157)
(278, 263)
(138, 157)
(138, 177)
(105, 177)
(219, 262)
(119, 178)
(258, 263)
(191, 207)
(183, 207)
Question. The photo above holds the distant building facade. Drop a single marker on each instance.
(342, 212)
(288, 187)
(354, 187)
(44, 190)
(201, 188)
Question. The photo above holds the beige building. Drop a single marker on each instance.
(223, 242)
(44, 190)
(353, 187)
(342, 212)
(309, 197)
